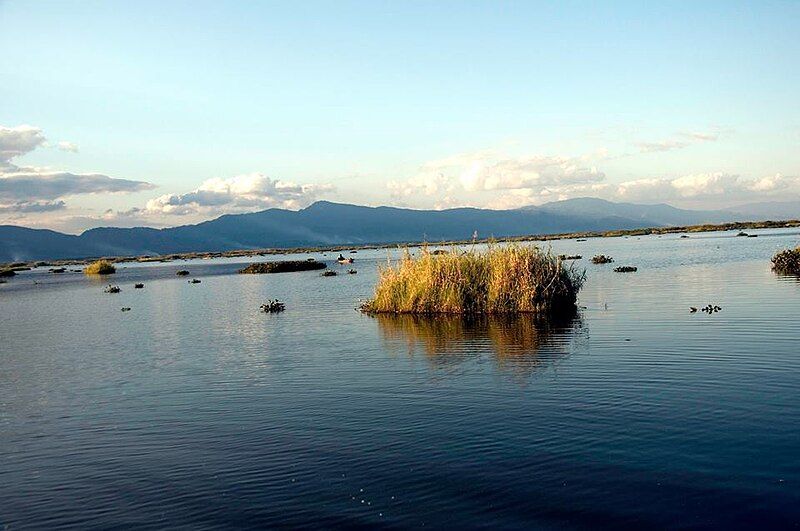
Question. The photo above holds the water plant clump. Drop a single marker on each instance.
(787, 262)
(569, 257)
(273, 306)
(182, 273)
(500, 280)
(7, 273)
(602, 259)
(100, 267)
(138, 286)
(329, 273)
(112, 289)
(352, 272)
(625, 269)
(285, 266)
(194, 281)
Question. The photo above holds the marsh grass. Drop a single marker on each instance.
(100, 267)
(787, 262)
(500, 280)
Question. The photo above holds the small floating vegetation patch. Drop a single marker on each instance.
(709, 309)
(569, 257)
(742, 234)
(100, 267)
(787, 262)
(7, 273)
(64, 269)
(329, 273)
(182, 273)
(112, 289)
(602, 259)
(625, 269)
(285, 266)
(351, 272)
(194, 281)
(126, 309)
(138, 286)
(273, 306)
(500, 280)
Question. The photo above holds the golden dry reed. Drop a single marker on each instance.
(100, 267)
(498, 280)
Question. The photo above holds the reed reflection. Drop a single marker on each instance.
(519, 345)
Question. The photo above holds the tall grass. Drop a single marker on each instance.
(100, 267)
(499, 280)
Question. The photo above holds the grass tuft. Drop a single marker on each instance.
(100, 267)
(787, 262)
(500, 280)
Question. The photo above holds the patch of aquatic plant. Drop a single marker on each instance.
(138, 286)
(285, 266)
(625, 269)
(709, 309)
(273, 306)
(100, 267)
(112, 289)
(125, 309)
(787, 262)
(351, 272)
(64, 269)
(569, 257)
(182, 273)
(499, 280)
(329, 273)
(7, 273)
(602, 259)
(194, 281)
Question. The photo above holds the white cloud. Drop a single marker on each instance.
(18, 141)
(718, 185)
(240, 193)
(488, 171)
(32, 190)
(67, 146)
(694, 137)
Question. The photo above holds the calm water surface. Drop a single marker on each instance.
(195, 409)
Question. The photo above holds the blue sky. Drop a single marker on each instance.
(186, 110)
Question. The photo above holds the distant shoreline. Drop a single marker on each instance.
(720, 227)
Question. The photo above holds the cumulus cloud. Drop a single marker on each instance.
(488, 171)
(31, 190)
(240, 193)
(717, 185)
(18, 141)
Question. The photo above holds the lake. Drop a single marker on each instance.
(195, 409)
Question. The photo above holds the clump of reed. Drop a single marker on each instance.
(285, 266)
(100, 267)
(602, 259)
(499, 280)
(273, 306)
(625, 269)
(787, 262)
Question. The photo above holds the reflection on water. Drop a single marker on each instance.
(519, 344)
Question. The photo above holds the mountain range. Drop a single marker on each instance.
(327, 223)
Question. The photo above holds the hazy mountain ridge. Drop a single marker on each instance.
(326, 223)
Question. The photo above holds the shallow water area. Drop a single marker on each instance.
(196, 408)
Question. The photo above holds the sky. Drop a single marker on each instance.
(167, 113)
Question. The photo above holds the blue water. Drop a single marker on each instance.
(194, 409)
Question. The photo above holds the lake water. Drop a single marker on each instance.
(195, 409)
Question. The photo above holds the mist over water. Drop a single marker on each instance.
(195, 408)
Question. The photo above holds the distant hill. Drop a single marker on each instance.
(326, 223)
(772, 210)
(659, 214)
